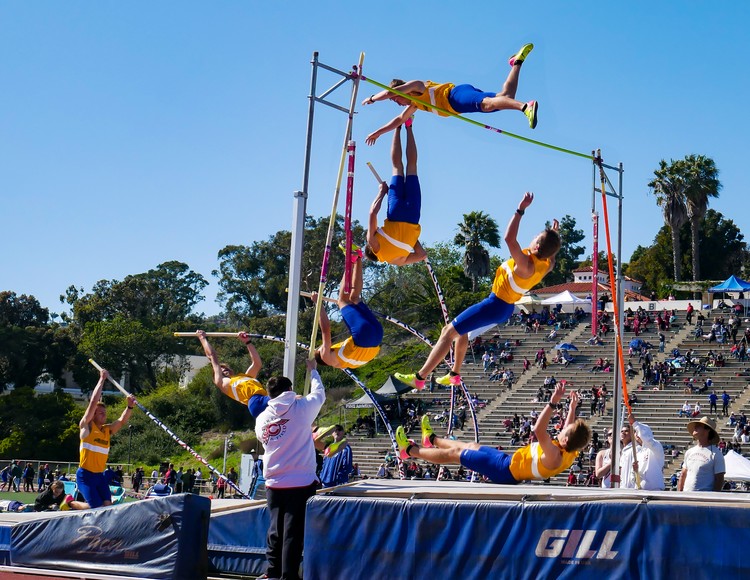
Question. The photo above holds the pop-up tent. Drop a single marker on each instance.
(565, 297)
(737, 466)
(731, 284)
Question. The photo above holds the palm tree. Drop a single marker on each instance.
(476, 230)
(701, 176)
(669, 188)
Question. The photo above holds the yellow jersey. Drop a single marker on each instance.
(242, 387)
(526, 462)
(352, 356)
(396, 239)
(509, 287)
(435, 94)
(95, 449)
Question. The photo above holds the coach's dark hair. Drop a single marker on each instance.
(277, 385)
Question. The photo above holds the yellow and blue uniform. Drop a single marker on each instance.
(400, 231)
(248, 391)
(396, 240)
(352, 356)
(366, 335)
(437, 95)
(524, 465)
(94, 451)
(510, 287)
(456, 99)
(507, 288)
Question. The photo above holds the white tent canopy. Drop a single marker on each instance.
(565, 298)
(738, 467)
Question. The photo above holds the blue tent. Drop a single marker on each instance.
(731, 284)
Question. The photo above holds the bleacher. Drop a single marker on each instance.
(658, 408)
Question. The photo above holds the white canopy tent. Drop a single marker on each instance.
(738, 467)
(566, 298)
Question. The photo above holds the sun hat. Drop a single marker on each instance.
(708, 422)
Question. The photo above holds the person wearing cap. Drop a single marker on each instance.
(648, 460)
(703, 468)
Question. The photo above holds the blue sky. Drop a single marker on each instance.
(140, 132)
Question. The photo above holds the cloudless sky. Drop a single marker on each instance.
(133, 133)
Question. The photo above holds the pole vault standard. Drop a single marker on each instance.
(169, 432)
(300, 203)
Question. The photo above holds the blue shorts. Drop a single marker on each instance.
(366, 330)
(490, 462)
(467, 99)
(94, 487)
(257, 404)
(404, 199)
(491, 310)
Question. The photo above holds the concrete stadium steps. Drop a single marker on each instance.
(656, 408)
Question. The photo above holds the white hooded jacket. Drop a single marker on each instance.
(284, 429)
(650, 461)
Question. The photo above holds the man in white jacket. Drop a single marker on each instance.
(649, 458)
(289, 468)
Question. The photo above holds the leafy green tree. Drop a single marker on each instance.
(127, 325)
(31, 348)
(669, 188)
(475, 231)
(570, 252)
(253, 279)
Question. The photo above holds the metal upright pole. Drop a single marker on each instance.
(298, 237)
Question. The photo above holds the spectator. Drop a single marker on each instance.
(713, 399)
(603, 464)
(725, 400)
(703, 467)
(337, 463)
(685, 411)
(647, 460)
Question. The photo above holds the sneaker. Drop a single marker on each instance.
(323, 432)
(427, 431)
(334, 447)
(65, 505)
(530, 112)
(403, 443)
(448, 380)
(521, 55)
(409, 122)
(410, 379)
(356, 251)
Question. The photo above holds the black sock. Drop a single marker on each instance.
(523, 109)
(419, 377)
(453, 374)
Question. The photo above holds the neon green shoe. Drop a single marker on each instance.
(403, 443)
(335, 447)
(521, 55)
(427, 431)
(448, 380)
(410, 379)
(356, 251)
(530, 112)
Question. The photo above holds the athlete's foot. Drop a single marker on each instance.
(448, 380)
(356, 251)
(521, 55)
(530, 111)
(65, 505)
(334, 447)
(427, 432)
(410, 379)
(409, 122)
(403, 442)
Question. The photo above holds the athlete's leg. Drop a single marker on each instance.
(460, 346)
(438, 352)
(411, 152)
(356, 281)
(396, 153)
